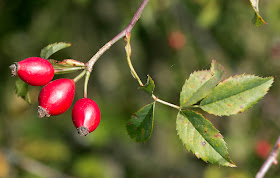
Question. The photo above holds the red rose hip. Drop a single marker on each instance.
(56, 97)
(34, 71)
(262, 148)
(86, 116)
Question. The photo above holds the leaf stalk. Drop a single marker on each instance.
(128, 54)
(86, 83)
(79, 76)
(135, 75)
(166, 103)
(66, 70)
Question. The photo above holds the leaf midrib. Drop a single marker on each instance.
(212, 75)
(235, 94)
(206, 139)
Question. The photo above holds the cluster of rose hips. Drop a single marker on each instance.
(57, 96)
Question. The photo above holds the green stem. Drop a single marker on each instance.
(107, 46)
(166, 103)
(86, 83)
(79, 76)
(66, 70)
(135, 75)
(128, 54)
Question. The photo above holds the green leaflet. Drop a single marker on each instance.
(22, 90)
(257, 20)
(192, 85)
(200, 84)
(53, 48)
(149, 86)
(140, 125)
(236, 94)
(202, 138)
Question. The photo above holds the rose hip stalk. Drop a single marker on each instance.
(56, 97)
(86, 116)
(34, 71)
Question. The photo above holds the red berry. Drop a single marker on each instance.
(86, 116)
(34, 71)
(56, 97)
(263, 148)
(176, 40)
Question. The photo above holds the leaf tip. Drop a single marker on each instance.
(232, 164)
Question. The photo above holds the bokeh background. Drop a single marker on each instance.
(172, 39)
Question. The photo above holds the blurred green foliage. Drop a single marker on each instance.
(216, 29)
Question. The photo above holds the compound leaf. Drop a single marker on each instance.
(140, 125)
(200, 84)
(236, 94)
(53, 48)
(22, 90)
(257, 20)
(202, 138)
(149, 86)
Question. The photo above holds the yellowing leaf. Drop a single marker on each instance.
(257, 20)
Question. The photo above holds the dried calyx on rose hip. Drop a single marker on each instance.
(34, 71)
(86, 116)
(56, 97)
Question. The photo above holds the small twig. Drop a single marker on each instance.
(86, 83)
(107, 46)
(272, 159)
(62, 71)
(128, 54)
(79, 76)
(122, 34)
(166, 103)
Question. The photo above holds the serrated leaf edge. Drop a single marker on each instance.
(231, 163)
(212, 74)
(50, 45)
(249, 106)
(134, 139)
(191, 75)
(147, 84)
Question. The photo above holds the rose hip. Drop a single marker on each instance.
(86, 116)
(262, 148)
(34, 71)
(56, 97)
